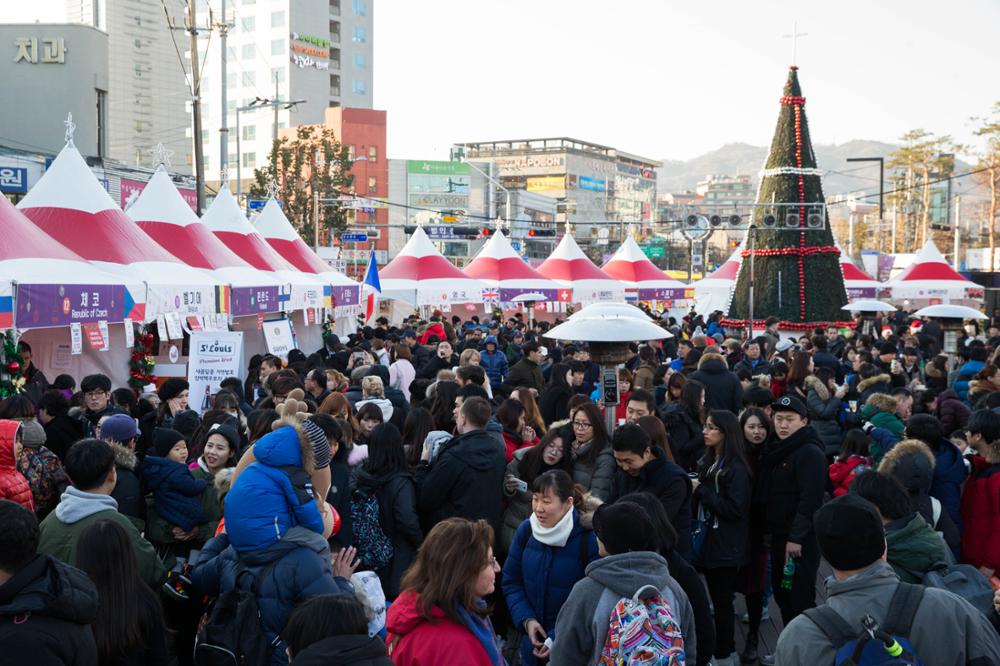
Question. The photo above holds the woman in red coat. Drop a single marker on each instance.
(517, 434)
(441, 618)
(13, 485)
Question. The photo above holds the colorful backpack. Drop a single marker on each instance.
(643, 632)
(374, 546)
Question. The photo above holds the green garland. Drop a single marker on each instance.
(141, 362)
(11, 376)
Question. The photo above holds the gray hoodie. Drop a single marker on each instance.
(946, 629)
(75, 505)
(582, 625)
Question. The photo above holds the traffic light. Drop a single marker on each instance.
(465, 232)
(486, 232)
(541, 233)
(410, 229)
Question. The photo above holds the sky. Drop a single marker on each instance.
(667, 79)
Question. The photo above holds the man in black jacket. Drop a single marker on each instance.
(121, 432)
(793, 477)
(466, 477)
(722, 387)
(46, 607)
(644, 468)
(96, 391)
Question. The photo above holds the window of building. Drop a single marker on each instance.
(247, 52)
(372, 185)
(249, 78)
(360, 61)
(358, 34)
(335, 32)
(350, 152)
(231, 105)
(204, 136)
(335, 7)
(277, 19)
(249, 132)
(277, 47)
(248, 23)
(358, 87)
(138, 70)
(249, 160)
(334, 85)
(138, 20)
(233, 160)
(138, 43)
(360, 8)
(373, 153)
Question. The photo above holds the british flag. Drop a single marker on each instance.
(491, 296)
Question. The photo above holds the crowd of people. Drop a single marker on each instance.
(443, 491)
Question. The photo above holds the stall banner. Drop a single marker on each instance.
(94, 336)
(279, 337)
(76, 338)
(212, 356)
(195, 299)
(247, 301)
(52, 305)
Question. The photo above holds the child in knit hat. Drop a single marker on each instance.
(41, 467)
(176, 494)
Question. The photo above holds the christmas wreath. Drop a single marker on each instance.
(142, 360)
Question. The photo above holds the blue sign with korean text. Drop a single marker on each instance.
(353, 238)
(13, 179)
(593, 184)
(436, 231)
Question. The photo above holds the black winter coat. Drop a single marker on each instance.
(345, 650)
(553, 402)
(177, 494)
(687, 441)
(704, 624)
(466, 480)
(46, 610)
(339, 498)
(722, 387)
(724, 494)
(435, 363)
(793, 478)
(62, 432)
(397, 502)
(670, 484)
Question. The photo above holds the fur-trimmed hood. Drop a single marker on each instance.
(587, 509)
(864, 384)
(813, 382)
(905, 448)
(882, 401)
(708, 357)
(124, 456)
(932, 370)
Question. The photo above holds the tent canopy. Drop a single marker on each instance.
(571, 268)
(420, 275)
(630, 265)
(858, 283)
(930, 277)
(715, 290)
(499, 266)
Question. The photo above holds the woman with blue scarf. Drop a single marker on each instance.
(441, 617)
(723, 498)
(549, 554)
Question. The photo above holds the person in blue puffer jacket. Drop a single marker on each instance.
(549, 554)
(949, 465)
(274, 493)
(494, 362)
(968, 371)
(285, 573)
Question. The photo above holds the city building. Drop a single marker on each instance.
(363, 132)
(313, 54)
(597, 189)
(723, 191)
(40, 58)
(147, 92)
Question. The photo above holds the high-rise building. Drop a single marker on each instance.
(314, 52)
(147, 92)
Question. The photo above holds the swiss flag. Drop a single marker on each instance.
(565, 295)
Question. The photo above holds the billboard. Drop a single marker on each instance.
(432, 168)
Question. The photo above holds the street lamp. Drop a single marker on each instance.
(495, 182)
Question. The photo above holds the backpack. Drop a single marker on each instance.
(230, 633)
(374, 546)
(964, 580)
(643, 632)
(869, 643)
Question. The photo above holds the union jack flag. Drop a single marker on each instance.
(491, 296)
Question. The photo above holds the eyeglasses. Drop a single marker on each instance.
(553, 446)
(492, 562)
(582, 425)
(99, 393)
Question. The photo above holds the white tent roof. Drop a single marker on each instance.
(930, 277)
(498, 265)
(571, 268)
(420, 275)
(715, 290)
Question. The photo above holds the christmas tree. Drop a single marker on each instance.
(797, 275)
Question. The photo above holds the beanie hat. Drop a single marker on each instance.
(887, 348)
(165, 439)
(119, 428)
(172, 388)
(186, 422)
(32, 434)
(624, 527)
(95, 383)
(849, 532)
(227, 431)
(319, 442)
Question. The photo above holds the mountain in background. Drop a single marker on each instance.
(736, 159)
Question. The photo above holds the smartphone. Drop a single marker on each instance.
(522, 485)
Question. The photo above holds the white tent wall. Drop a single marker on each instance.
(307, 338)
(50, 353)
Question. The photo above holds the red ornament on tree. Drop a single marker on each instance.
(14, 367)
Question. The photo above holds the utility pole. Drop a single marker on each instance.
(191, 26)
(958, 228)
(223, 27)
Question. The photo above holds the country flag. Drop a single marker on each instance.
(6, 312)
(222, 299)
(371, 287)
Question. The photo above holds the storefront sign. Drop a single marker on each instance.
(448, 201)
(546, 183)
(309, 39)
(593, 184)
(303, 61)
(14, 180)
(527, 165)
(212, 357)
(432, 168)
(279, 337)
(310, 51)
(246, 301)
(48, 305)
(52, 51)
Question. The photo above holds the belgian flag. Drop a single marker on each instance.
(222, 299)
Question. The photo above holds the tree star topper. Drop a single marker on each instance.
(161, 155)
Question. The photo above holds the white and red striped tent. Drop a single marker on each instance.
(715, 290)
(930, 278)
(225, 219)
(644, 281)
(279, 233)
(420, 275)
(162, 212)
(858, 283)
(500, 267)
(71, 206)
(580, 279)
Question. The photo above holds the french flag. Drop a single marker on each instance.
(371, 287)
